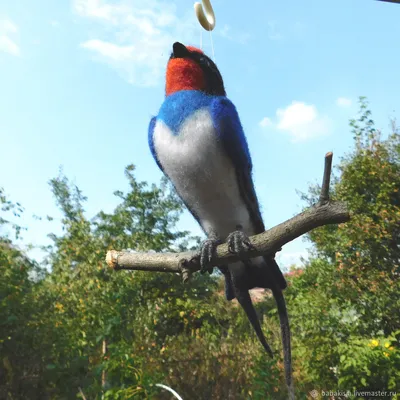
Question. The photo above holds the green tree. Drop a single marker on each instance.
(346, 303)
(98, 315)
(17, 280)
(152, 324)
(115, 334)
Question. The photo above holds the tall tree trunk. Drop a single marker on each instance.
(104, 373)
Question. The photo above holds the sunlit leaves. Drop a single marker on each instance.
(349, 294)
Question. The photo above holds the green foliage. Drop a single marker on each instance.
(94, 307)
(349, 294)
(16, 307)
(117, 334)
(268, 378)
(369, 364)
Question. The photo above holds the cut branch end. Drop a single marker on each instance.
(324, 196)
(112, 259)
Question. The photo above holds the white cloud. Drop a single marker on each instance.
(110, 50)
(8, 45)
(302, 121)
(265, 122)
(343, 102)
(135, 37)
(8, 26)
(54, 23)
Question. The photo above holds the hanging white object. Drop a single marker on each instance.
(169, 390)
(205, 14)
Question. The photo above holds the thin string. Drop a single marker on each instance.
(212, 46)
(211, 38)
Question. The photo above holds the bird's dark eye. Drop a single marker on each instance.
(205, 62)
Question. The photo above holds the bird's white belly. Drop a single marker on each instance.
(202, 174)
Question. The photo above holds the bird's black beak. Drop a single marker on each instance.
(179, 50)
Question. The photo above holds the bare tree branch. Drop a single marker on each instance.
(81, 393)
(391, 1)
(269, 242)
(324, 197)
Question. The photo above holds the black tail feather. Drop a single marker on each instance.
(229, 292)
(244, 300)
(238, 286)
(286, 343)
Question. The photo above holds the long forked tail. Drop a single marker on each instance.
(244, 300)
(285, 333)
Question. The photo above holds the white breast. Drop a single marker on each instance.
(202, 174)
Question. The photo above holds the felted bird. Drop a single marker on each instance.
(198, 142)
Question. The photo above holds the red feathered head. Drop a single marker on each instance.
(190, 69)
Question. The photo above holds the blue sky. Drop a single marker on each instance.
(81, 79)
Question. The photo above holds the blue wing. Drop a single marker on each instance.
(150, 139)
(231, 135)
(230, 132)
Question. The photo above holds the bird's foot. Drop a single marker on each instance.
(207, 252)
(238, 241)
